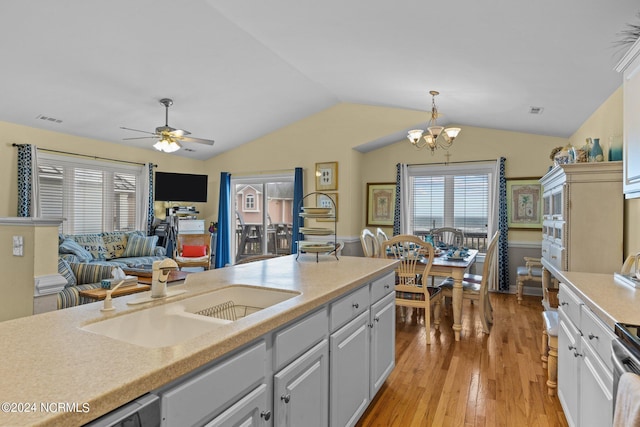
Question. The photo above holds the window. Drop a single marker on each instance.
(249, 202)
(264, 214)
(459, 196)
(91, 196)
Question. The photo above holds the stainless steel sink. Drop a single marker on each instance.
(172, 323)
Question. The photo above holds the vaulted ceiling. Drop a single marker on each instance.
(238, 70)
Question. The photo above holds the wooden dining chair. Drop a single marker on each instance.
(416, 258)
(449, 236)
(478, 291)
(370, 244)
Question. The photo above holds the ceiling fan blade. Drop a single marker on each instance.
(141, 137)
(198, 140)
(138, 130)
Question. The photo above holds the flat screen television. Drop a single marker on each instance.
(180, 187)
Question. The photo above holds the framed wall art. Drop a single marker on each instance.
(381, 202)
(327, 176)
(324, 201)
(524, 203)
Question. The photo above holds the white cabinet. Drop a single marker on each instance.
(585, 373)
(349, 385)
(301, 390)
(383, 337)
(362, 351)
(249, 411)
(582, 214)
(629, 65)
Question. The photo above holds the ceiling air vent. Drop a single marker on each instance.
(48, 119)
(536, 110)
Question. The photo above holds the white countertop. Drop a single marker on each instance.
(610, 299)
(48, 359)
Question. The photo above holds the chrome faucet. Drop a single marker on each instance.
(159, 276)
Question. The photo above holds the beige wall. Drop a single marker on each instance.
(605, 122)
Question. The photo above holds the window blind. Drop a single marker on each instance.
(91, 196)
(450, 196)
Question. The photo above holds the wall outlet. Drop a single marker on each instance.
(18, 246)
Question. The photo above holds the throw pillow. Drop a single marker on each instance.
(93, 243)
(140, 246)
(70, 246)
(194, 251)
(65, 270)
(115, 242)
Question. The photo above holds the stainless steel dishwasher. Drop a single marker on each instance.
(625, 353)
(142, 412)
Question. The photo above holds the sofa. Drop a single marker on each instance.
(84, 260)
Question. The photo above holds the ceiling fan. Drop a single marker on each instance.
(169, 138)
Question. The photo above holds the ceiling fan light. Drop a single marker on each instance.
(414, 135)
(172, 146)
(161, 145)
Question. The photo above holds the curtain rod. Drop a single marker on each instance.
(86, 155)
(449, 163)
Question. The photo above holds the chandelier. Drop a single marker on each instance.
(437, 135)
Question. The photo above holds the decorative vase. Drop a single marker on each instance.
(615, 148)
(596, 155)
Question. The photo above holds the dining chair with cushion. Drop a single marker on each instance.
(193, 250)
(478, 291)
(370, 244)
(531, 271)
(416, 258)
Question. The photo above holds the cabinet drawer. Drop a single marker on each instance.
(598, 335)
(348, 307)
(294, 340)
(569, 304)
(197, 398)
(555, 256)
(382, 286)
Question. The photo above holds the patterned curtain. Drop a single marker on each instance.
(223, 243)
(28, 201)
(145, 221)
(396, 211)
(298, 193)
(503, 243)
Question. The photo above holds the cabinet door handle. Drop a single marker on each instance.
(377, 319)
(576, 354)
(571, 347)
(285, 398)
(266, 415)
(591, 336)
(355, 305)
(564, 303)
(387, 286)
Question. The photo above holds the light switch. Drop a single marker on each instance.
(18, 246)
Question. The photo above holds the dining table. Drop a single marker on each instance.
(444, 266)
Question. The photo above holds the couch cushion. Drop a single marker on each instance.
(91, 272)
(70, 246)
(70, 296)
(138, 246)
(115, 243)
(65, 270)
(92, 242)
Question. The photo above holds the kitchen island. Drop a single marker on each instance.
(55, 373)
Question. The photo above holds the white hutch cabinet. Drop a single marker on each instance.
(582, 226)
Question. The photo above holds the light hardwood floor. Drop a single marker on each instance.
(482, 380)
